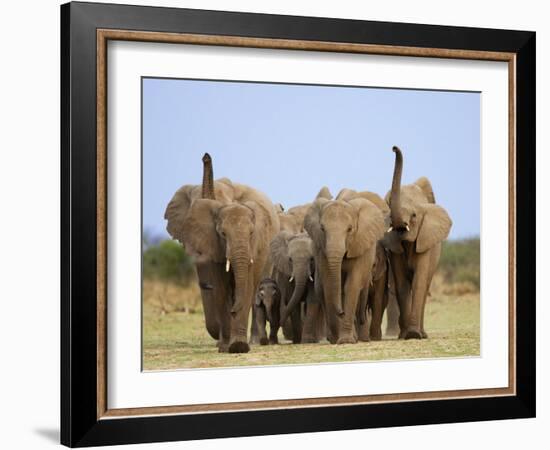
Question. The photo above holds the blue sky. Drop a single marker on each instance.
(290, 140)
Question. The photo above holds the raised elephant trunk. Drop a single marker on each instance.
(395, 198)
(299, 289)
(207, 178)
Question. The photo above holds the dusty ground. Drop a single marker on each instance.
(174, 335)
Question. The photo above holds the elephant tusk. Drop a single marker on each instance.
(310, 278)
(389, 229)
(291, 279)
(407, 228)
(251, 261)
(227, 265)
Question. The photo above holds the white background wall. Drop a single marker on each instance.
(29, 223)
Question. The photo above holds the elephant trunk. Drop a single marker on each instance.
(334, 282)
(297, 294)
(395, 198)
(207, 178)
(240, 260)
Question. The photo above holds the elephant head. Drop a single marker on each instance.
(292, 255)
(342, 230)
(414, 215)
(268, 297)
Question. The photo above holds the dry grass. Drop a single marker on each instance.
(174, 335)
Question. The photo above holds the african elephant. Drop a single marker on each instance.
(345, 235)
(418, 226)
(227, 228)
(293, 270)
(267, 306)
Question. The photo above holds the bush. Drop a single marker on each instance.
(459, 261)
(167, 261)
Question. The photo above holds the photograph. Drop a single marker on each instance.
(288, 224)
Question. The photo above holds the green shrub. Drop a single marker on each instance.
(167, 261)
(459, 261)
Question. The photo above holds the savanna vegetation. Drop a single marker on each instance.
(174, 335)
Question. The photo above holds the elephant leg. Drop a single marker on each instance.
(379, 300)
(352, 289)
(313, 310)
(418, 294)
(282, 282)
(422, 330)
(296, 320)
(209, 289)
(255, 332)
(321, 325)
(392, 325)
(362, 315)
(402, 290)
(259, 316)
(216, 284)
(309, 334)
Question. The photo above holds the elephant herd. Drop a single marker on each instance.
(323, 270)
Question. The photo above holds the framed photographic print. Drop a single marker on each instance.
(277, 224)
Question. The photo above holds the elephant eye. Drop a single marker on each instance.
(349, 229)
(413, 215)
(322, 228)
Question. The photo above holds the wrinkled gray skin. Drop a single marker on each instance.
(293, 269)
(345, 233)
(418, 227)
(267, 307)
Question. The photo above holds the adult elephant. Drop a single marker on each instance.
(418, 227)
(227, 228)
(345, 235)
(293, 271)
(374, 297)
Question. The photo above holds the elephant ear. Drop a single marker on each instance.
(177, 210)
(424, 184)
(198, 231)
(346, 194)
(369, 229)
(435, 227)
(324, 193)
(312, 221)
(279, 252)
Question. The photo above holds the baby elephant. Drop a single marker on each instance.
(267, 307)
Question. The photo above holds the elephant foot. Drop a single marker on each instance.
(273, 340)
(223, 347)
(309, 340)
(255, 340)
(413, 333)
(424, 334)
(239, 347)
(346, 340)
(264, 341)
(391, 332)
(376, 335)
